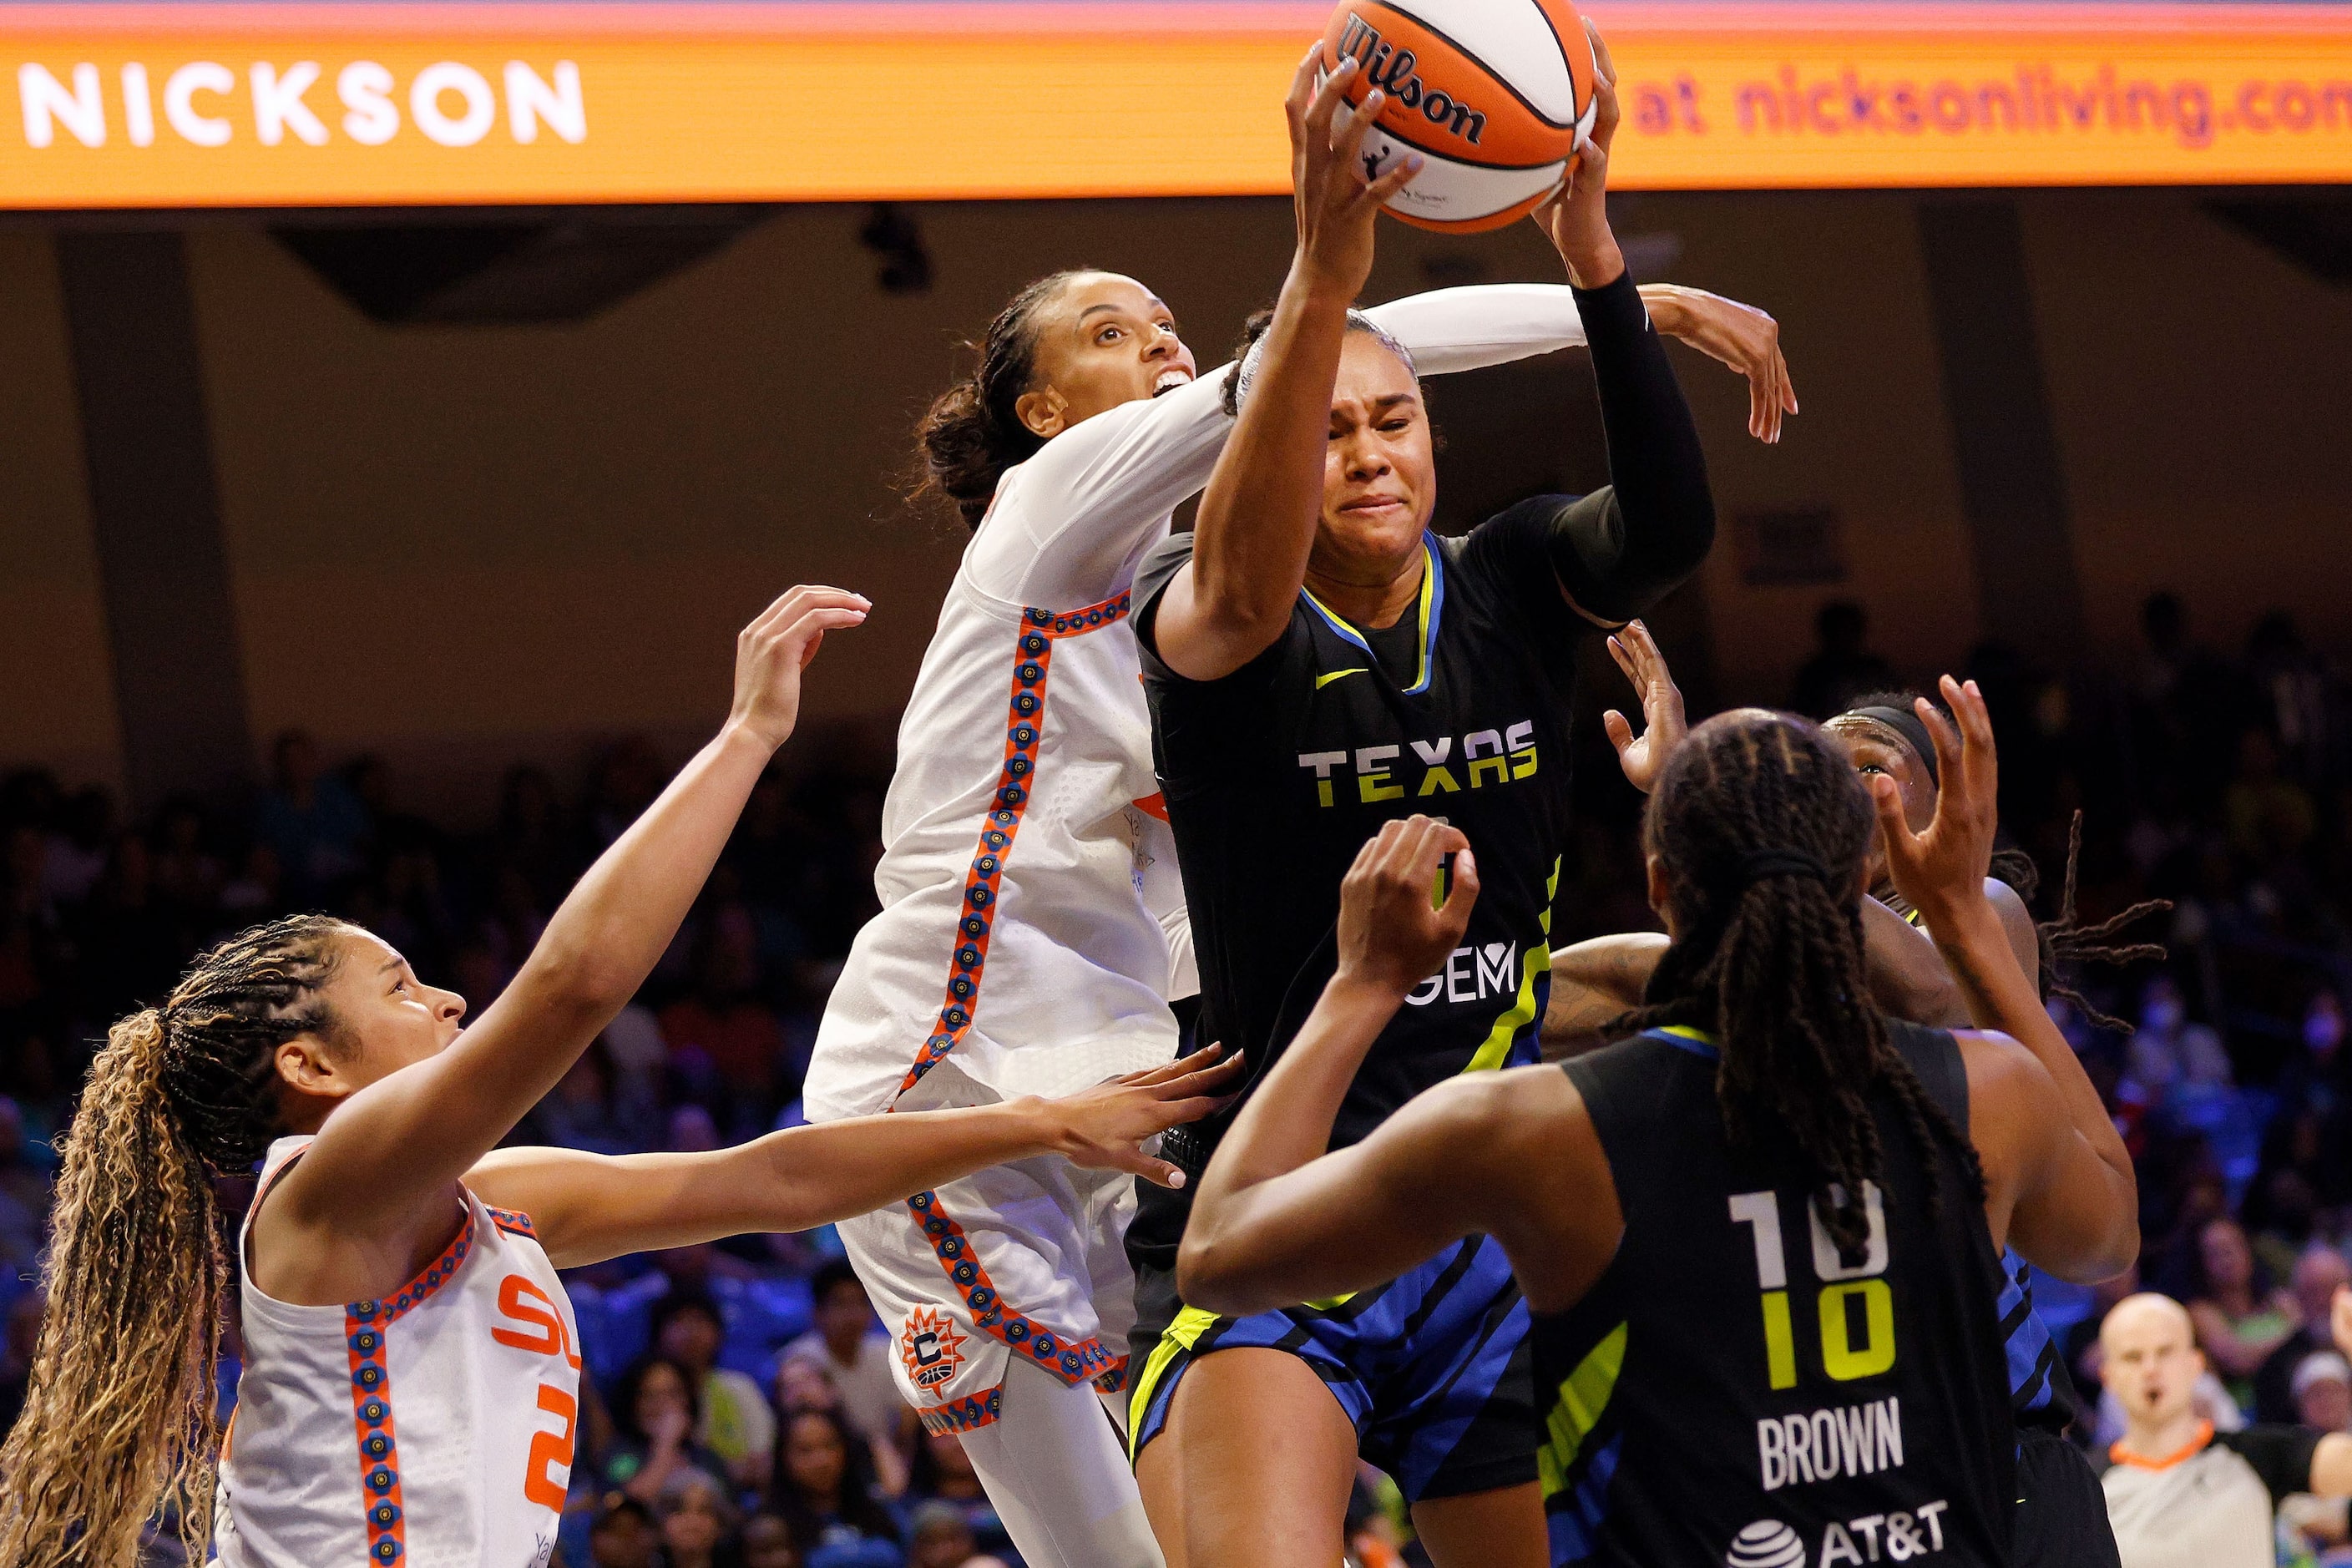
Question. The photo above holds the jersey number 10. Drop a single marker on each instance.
(1846, 1354)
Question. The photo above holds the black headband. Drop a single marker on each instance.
(1907, 724)
(1758, 864)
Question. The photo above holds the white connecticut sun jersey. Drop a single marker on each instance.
(431, 1429)
(1032, 925)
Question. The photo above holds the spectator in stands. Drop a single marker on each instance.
(805, 1383)
(2269, 816)
(2319, 1274)
(20, 1339)
(531, 833)
(2179, 1495)
(768, 1543)
(308, 819)
(2168, 1050)
(592, 1108)
(2240, 1317)
(723, 1017)
(625, 1535)
(856, 1353)
(735, 1422)
(697, 1523)
(655, 1410)
(825, 1492)
(2323, 1392)
(938, 1537)
(24, 1201)
(1843, 667)
(943, 1479)
(188, 875)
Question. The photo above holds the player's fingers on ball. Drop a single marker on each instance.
(1465, 891)
(1326, 101)
(1603, 67)
(1400, 174)
(1302, 84)
(1348, 140)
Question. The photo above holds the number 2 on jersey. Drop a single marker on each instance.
(1845, 1356)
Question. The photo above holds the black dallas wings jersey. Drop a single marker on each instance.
(1276, 775)
(1731, 1391)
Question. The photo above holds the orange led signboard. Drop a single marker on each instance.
(353, 105)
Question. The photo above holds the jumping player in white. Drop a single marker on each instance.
(412, 1379)
(1032, 931)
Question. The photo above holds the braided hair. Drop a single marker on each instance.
(970, 434)
(2063, 940)
(120, 1414)
(1763, 831)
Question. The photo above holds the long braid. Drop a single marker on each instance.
(2066, 941)
(119, 1416)
(1773, 965)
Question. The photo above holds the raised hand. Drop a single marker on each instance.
(770, 653)
(1741, 336)
(1577, 219)
(1942, 868)
(1335, 204)
(1391, 934)
(1103, 1126)
(1663, 726)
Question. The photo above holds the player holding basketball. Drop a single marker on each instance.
(1318, 662)
(412, 1375)
(1033, 922)
(1717, 1387)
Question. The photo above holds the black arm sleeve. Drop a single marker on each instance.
(1624, 547)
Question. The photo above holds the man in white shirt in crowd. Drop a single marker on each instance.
(2178, 1494)
(856, 1353)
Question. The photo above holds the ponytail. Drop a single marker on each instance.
(120, 1413)
(1764, 832)
(970, 434)
(121, 1416)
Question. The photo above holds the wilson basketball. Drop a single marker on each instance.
(1496, 95)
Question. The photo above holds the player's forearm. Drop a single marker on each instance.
(1657, 465)
(589, 1207)
(1257, 518)
(1975, 947)
(1593, 982)
(1453, 330)
(2331, 1467)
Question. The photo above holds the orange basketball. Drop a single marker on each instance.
(1496, 95)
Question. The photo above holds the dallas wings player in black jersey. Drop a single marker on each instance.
(1319, 662)
(1760, 1238)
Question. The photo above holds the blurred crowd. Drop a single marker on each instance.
(743, 1408)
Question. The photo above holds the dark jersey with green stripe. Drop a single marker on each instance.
(1274, 776)
(1733, 1391)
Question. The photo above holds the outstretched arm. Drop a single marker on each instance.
(2077, 1210)
(588, 1208)
(398, 1143)
(1257, 518)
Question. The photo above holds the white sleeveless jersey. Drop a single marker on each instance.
(431, 1429)
(1026, 854)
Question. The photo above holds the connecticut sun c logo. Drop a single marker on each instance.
(930, 1347)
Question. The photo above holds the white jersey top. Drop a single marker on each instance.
(1022, 838)
(431, 1429)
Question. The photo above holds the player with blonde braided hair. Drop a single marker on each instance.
(412, 1368)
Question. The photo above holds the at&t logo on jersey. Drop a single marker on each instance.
(1892, 1537)
(930, 1348)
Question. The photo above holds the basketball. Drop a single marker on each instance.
(1496, 95)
